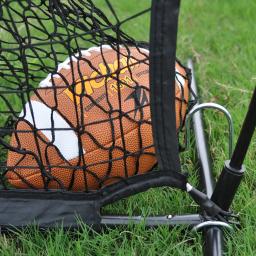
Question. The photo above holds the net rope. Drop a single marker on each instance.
(74, 94)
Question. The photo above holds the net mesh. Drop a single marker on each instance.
(74, 93)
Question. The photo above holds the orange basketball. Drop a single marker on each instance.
(89, 124)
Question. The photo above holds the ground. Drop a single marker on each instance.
(220, 37)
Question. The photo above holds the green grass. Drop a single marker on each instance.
(220, 37)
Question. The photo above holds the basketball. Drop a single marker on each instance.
(89, 124)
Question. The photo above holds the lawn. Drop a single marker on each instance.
(220, 37)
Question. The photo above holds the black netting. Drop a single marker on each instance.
(74, 93)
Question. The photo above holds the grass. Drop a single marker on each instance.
(219, 36)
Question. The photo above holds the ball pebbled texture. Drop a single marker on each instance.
(88, 125)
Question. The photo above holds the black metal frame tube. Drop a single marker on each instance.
(213, 236)
(245, 136)
(233, 170)
(154, 221)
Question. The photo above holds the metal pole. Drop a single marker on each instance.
(213, 236)
(170, 220)
(233, 170)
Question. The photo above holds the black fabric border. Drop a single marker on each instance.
(164, 23)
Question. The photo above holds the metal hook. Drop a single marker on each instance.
(210, 224)
(210, 106)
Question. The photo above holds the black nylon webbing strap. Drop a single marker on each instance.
(164, 22)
